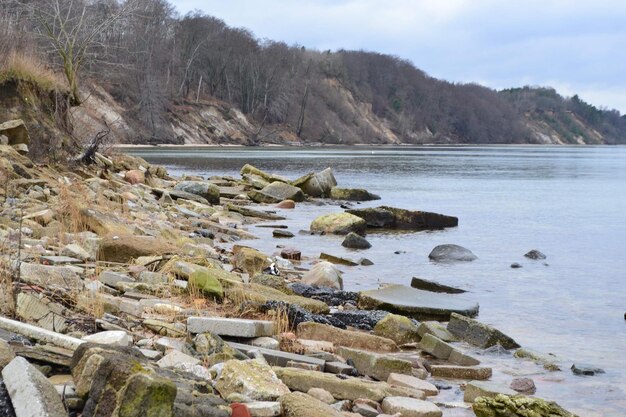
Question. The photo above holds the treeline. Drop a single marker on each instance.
(149, 58)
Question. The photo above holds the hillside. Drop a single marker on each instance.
(156, 77)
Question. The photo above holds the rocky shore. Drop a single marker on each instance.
(126, 292)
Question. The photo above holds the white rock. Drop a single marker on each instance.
(400, 380)
(230, 327)
(264, 408)
(410, 407)
(323, 274)
(110, 337)
(265, 342)
(167, 343)
(31, 393)
(176, 358)
(75, 251)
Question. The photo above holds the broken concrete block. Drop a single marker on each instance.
(110, 337)
(230, 327)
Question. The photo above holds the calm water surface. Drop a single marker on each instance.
(568, 202)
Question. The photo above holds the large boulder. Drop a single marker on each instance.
(518, 406)
(400, 329)
(352, 194)
(451, 253)
(251, 378)
(396, 218)
(277, 192)
(204, 189)
(299, 404)
(206, 283)
(317, 184)
(339, 224)
(417, 304)
(123, 248)
(324, 274)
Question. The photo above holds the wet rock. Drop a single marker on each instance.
(461, 372)
(548, 361)
(347, 338)
(206, 283)
(451, 253)
(341, 388)
(409, 381)
(338, 224)
(436, 329)
(418, 304)
(352, 194)
(286, 204)
(354, 241)
(323, 274)
(588, 370)
(410, 407)
(400, 329)
(299, 404)
(30, 391)
(432, 286)
(318, 184)
(395, 218)
(479, 334)
(535, 254)
(504, 406)
(110, 337)
(123, 248)
(290, 253)
(523, 385)
(230, 327)
(458, 358)
(329, 296)
(282, 233)
(475, 389)
(375, 365)
(337, 260)
(249, 260)
(251, 378)
(210, 192)
(515, 265)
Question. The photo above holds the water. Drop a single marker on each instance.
(568, 202)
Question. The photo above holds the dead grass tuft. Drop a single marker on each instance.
(28, 68)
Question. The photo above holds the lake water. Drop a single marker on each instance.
(568, 202)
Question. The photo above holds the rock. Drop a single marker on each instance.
(352, 194)
(248, 169)
(535, 254)
(396, 218)
(479, 334)
(123, 248)
(451, 253)
(588, 370)
(374, 365)
(112, 278)
(286, 204)
(210, 192)
(63, 277)
(298, 404)
(340, 388)
(230, 327)
(276, 192)
(249, 260)
(515, 265)
(400, 329)
(318, 184)
(504, 406)
(206, 283)
(322, 395)
(153, 278)
(475, 389)
(290, 253)
(103, 224)
(264, 408)
(436, 329)
(15, 131)
(436, 347)
(461, 372)
(176, 358)
(347, 338)
(523, 385)
(266, 296)
(323, 274)
(38, 309)
(59, 260)
(408, 381)
(277, 357)
(365, 408)
(265, 342)
(21, 148)
(116, 381)
(360, 319)
(548, 361)
(432, 286)
(339, 224)
(32, 395)
(354, 241)
(282, 233)
(339, 368)
(110, 337)
(135, 176)
(272, 281)
(251, 378)
(337, 260)
(76, 251)
(458, 358)
(6, 354)
(418, 304)
(410, 407)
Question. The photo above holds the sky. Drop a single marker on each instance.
(575, 46)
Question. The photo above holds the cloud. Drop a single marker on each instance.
(580, 44)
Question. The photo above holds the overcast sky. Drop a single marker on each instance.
(575, 46)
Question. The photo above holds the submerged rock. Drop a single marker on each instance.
(354, 241)
(339, 224)
(427, 285)
(535, 254)
(523, 385)
(479, 334)
(352, 194)
(451, 253)
(588, 370)
(519, 406)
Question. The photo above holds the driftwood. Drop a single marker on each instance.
(88, 156)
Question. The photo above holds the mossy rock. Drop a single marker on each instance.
(398, 328)
(339, 224)
(272, 281)
(518, 406)
(299, 404)
(239, 293)
(206, 283)
(352, 194)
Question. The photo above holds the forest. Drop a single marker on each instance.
(156, 63)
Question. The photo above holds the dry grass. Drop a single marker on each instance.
(28, 68)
